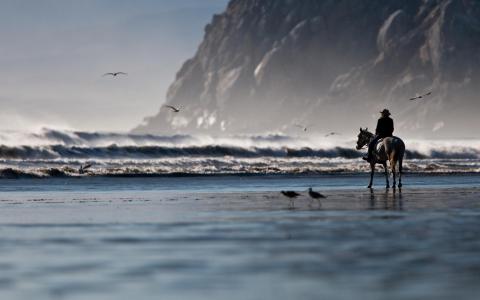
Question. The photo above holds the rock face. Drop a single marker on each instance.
(265, 65)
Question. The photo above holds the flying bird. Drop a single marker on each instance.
(421, 96)
(84, 168)
(292, 195)
(114, 74)
(332, 133)
(304, 128)
(173, 108)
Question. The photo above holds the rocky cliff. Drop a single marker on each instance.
(265, 65)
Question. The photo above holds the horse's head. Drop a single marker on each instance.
(363, 138)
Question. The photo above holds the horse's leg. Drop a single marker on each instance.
(372, 166)
(393, 165)
(400, 171)
(386, 174)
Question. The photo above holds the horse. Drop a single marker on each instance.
(391, 149)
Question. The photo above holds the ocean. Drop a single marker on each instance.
(55, 153)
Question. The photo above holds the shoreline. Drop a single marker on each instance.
(54, 173)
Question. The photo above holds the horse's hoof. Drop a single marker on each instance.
(387, 187)
(399, 185)
(369, 187)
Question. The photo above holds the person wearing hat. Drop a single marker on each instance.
(384, 129)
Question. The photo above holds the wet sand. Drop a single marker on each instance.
(167, 206)
(150, 244)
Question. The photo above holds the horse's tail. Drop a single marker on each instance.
(401, 146)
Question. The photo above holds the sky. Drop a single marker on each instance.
(53, 54)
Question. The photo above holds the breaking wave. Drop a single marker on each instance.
(56, 153)
(148, 152)
(121, 152)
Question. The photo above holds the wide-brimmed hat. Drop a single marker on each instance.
(386, 111)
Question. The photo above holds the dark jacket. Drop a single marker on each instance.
(384, 127)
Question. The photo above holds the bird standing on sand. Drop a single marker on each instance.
(292, 195)
(421, 96)
(173, 108)
(114, 74)
(315, 195)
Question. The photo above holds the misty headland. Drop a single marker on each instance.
(264, 66)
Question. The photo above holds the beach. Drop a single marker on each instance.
(221, 149)
(213, 237)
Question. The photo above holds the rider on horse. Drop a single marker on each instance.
(384, 129)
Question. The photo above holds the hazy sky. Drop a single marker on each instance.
(53, 54)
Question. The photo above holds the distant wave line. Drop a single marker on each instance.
(149, 152)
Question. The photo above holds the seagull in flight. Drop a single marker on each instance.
(421, 96)
(83, 168)
(304, 128)
(114, 74)
(332, 133)
(173, 108)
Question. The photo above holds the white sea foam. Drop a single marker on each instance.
(116, 153)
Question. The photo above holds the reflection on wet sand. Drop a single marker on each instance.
(387, 200)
